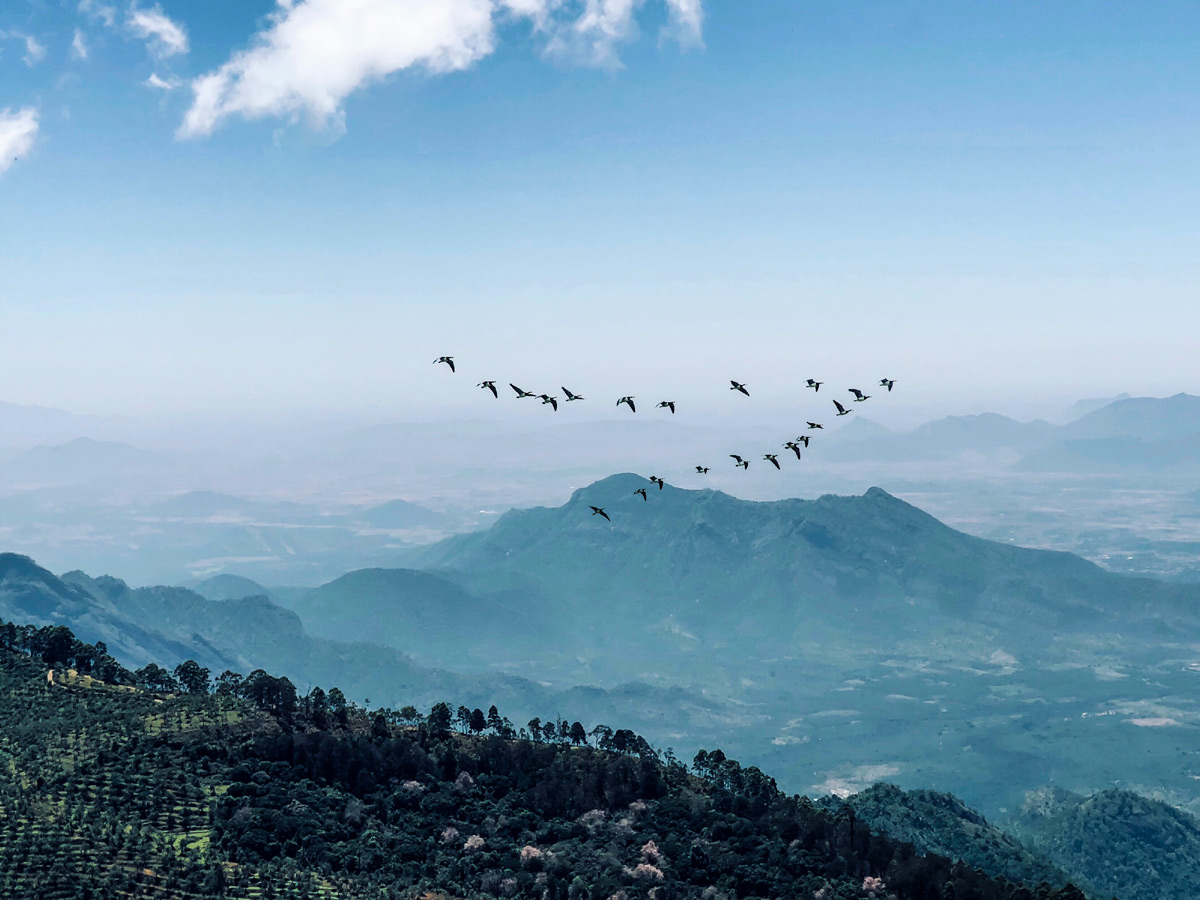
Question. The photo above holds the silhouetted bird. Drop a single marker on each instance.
(553, 401)
(815, 385)
(654, 479)
(794, 447)
(641, 491)
(773, 459)
(448, 360)
(859, 396)
(804, 439)
(489, 386)
(814, 425)
(738, 461)
(888, 383)
(703, 470)
(597, 511)
(628, 401)
(571, 396)
(841, 410)
(736, 386)
(667, 404)
(521, 393)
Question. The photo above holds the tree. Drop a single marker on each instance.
(494, 722)
(410, 716)
(477, 721)
(462, 716)
(535, 729)
(578, 735)
(193, 677)
(229, 684)
(439, 719)
(338, 706)
(153, 677)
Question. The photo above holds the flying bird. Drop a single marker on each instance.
(841, 410)
(654, 479)
(738, 461)
(628, 401)
(702, 470)
(888, 383)
(571, 396)
(448, 360)
(521, 393)
(773, 459)
(815, 385)
(794, 447)
(804, 439)
(641, 491)
(667, 404)
(489, 386)
(859, 396)
(738, 386)
(814, 425)
(553, 401)
(597, 511)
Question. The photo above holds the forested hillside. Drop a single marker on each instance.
(150, 783)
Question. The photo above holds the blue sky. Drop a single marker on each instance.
(991, 202)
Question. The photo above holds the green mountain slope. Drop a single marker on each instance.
(940, 823)
(1121, 843)
(111, 792)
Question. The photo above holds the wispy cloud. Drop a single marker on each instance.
(164, 36)
(162, 84)
(18, 132)
(79, 49)
(98, 11)
(35, 51)
(315, 53)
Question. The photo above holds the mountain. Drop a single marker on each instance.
(1086, 456)
(229, 587)
(1148, 418)
(1124, 844)
(81, 461)
(428, 616)
(212, 505)
(940, 823)
(255, 792)
(1083, 407)
(400, 514)
(758, 578)
(985, 435)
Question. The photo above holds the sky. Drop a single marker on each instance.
(250, 206)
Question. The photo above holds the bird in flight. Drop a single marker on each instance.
(814, 425)
(804, 439)
(628, 401)
(654, 479)
(641, 491)
(738, 386)
(814, 384)
(702, 470)
(597, 511)
(448, 360)
(489, 386)
(571, 396)
(859, 396)
(773, 459)
(521, 393)
(738, 461)
(553, 401)
(794, 447)
(667, 404)
(888, 383)
(841, 410)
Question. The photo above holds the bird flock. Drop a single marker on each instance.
(793, 445)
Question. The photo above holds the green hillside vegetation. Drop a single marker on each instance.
(1122, 843)
(935, 822)
(153, 784)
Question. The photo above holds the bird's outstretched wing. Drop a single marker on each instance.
(841, 409)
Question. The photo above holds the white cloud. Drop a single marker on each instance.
(315, 53)
(79, 48)
(164, 36)
(94, 9)
(162, 84)
(18, 131)
(34, 51)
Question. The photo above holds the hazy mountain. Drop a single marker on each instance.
(209, 505)
(1123, 844)
(760, 577)
(940, 823)
(1148, 418)
(1083, 407)
(400, 514)
(229, 587)
(427, 616)
(81, 461)
(1116, 454)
